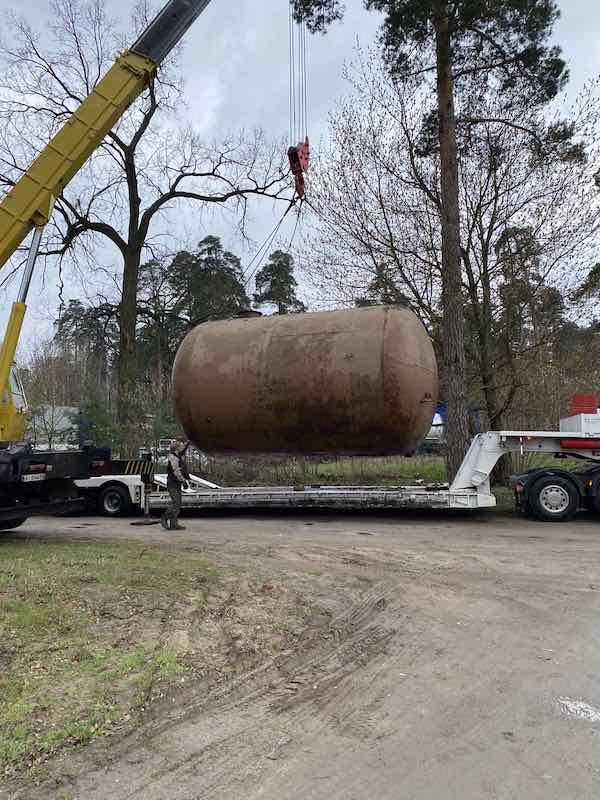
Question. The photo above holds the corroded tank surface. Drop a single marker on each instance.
(357, 381)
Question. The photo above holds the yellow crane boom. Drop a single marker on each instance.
(29, 203)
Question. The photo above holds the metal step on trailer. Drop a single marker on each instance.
(340, 497)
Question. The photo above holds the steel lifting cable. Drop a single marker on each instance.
(261, 252)
(299, 87)
(299, 148)
(291, 242)
(304, 83)
(298, 79)
(249, 273)
(292, 57)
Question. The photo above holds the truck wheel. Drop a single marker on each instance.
(11, 524)
(554, 499)
(114, 501)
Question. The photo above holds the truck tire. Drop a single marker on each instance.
(553, 498)
(115, 501)
(11, 524)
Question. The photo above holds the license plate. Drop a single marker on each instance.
(33, 478)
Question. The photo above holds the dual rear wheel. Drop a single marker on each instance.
(553, 498)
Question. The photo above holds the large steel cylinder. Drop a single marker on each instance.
(358, 381)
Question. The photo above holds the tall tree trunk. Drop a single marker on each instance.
(453, 321)
(128, 408)
(503, 469)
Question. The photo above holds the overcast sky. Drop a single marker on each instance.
(236, 69)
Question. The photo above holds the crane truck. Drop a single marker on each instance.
(33, 482)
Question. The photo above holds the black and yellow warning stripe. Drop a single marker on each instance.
(133, 467)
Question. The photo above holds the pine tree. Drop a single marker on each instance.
(210, 282)
(275, 283)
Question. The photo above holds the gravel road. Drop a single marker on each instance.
(459, 658)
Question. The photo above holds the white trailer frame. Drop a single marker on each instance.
(469, 490)
(135, 487)
(132, 484)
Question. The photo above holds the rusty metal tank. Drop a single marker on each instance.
(357, 381)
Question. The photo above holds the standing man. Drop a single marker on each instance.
(177, 479)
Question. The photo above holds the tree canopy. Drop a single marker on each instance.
(509, 37)
(209, 282)
(275, 283)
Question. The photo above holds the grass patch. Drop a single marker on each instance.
(80, 624)
(384, 470)
(505, 500)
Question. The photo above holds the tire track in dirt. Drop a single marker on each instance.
(306, 700)
(224, 742)
(227, 739)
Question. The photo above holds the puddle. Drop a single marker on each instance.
(578, 709)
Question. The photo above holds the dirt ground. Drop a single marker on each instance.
(441, 657)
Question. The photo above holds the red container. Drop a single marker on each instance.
(584, 404)
(580, 444)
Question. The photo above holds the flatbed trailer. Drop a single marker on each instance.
(312, 496)
(470, 490)
(552, 493)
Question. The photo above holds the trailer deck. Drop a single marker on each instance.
(346, 497)
(470, 489)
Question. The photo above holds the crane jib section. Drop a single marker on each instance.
(29, 202)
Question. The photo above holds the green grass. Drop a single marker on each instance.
(79, 648)
(387, 470)
(384, 470)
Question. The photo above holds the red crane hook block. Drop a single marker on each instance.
(299, 157)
